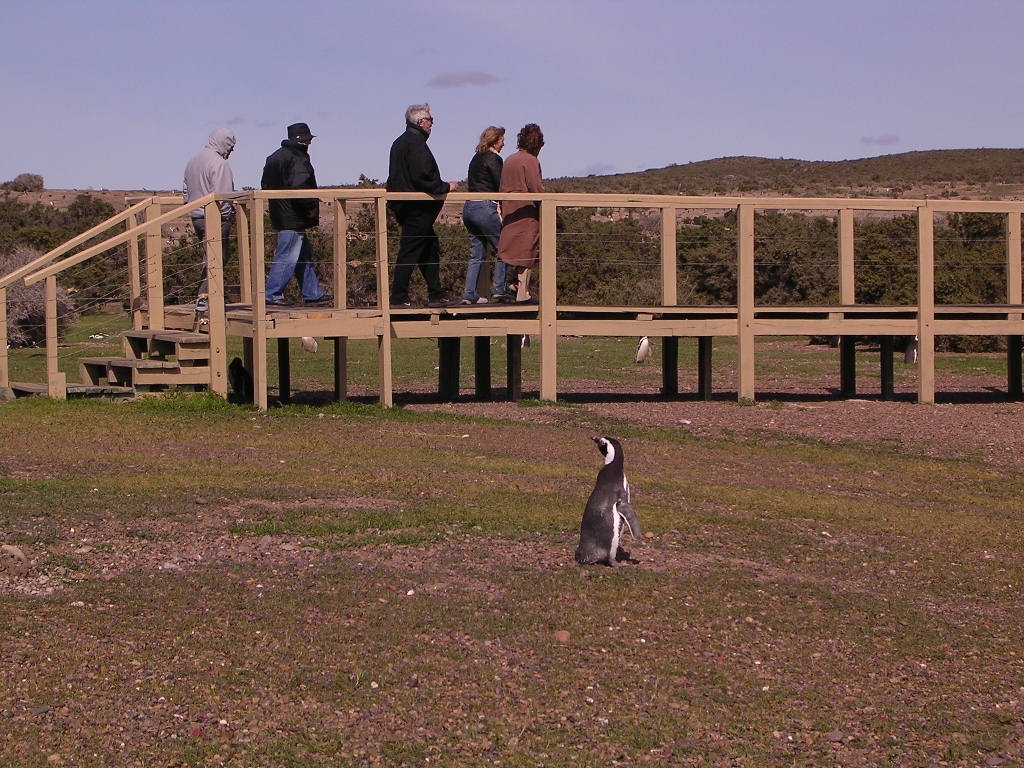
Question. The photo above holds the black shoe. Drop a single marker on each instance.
(530, 301)
(278, 303)
(444, 301)
(325, 300)
(502, 298)
(401, 305)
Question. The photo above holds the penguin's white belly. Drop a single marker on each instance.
(616, 532)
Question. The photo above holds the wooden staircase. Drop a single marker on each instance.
(153, 360)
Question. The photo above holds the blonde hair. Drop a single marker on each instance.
(491, 135)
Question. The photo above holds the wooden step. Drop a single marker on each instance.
(27, 389)
(141, 374)
(166, 345)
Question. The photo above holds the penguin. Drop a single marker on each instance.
(240, 381)
(608, 510)
(643, 350)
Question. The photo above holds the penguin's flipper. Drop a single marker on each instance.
(625, 510)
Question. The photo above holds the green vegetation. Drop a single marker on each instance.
(612, 256)
(356, 586)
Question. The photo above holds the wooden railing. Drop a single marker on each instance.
(745, 321)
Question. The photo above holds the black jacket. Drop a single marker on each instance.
(412, 168)
(290, 168)
(484, 172)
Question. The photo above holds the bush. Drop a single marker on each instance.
(26, 304)
(24, 182)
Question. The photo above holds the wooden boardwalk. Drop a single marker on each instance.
(259, 326)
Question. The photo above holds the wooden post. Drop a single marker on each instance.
(482, 366)
(885, 352)
(284, 370)
(340, 296)
(669, 267)
(449, 352)
(1014, 384)
(925, 305)
(215, 301)
(134, 275)
(387, 397)
(154, 269)
(243, 253)
(745, 300)
(848, 365)
(56, 382)
(257, 252)
(548, 298)
(514, 366)
(5, 370)
(704, 347)
(670, 366)
(847, 279)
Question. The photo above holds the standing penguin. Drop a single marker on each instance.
(607, 509)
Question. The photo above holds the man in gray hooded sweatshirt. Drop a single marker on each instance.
(209, 172)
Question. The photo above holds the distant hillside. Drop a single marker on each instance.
(976, 174)
(966, 173)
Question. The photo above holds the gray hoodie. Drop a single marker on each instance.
(209, 172)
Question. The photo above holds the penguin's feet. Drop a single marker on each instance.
(622, 556)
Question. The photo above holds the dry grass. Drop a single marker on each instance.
(351, 586)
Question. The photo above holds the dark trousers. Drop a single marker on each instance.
(225, 234)
(418, 247)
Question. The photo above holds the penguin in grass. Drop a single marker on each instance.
(608, 511)
(643, 350)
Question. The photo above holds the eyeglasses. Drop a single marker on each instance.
(427, 118)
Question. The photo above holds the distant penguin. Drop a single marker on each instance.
(608, 510)
(240, 380)
(910, 353)
(643, 349)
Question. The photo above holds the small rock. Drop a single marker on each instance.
(836, 737)
(562, 636)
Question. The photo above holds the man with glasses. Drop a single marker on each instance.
(412, 168)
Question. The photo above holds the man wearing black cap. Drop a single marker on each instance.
(290, 168)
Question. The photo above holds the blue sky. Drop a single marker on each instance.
(118, 95)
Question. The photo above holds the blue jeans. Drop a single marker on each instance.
(484, 226)
(294, 256)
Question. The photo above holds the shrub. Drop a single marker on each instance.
(24, 182)
(26, 304)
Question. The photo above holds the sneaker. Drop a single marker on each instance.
(282, 302)
(325, 300)
(467, 303)
(401, 305)
(502, 298)
(530, 301)
(481, 300)
(201, 304)
(444, 301)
